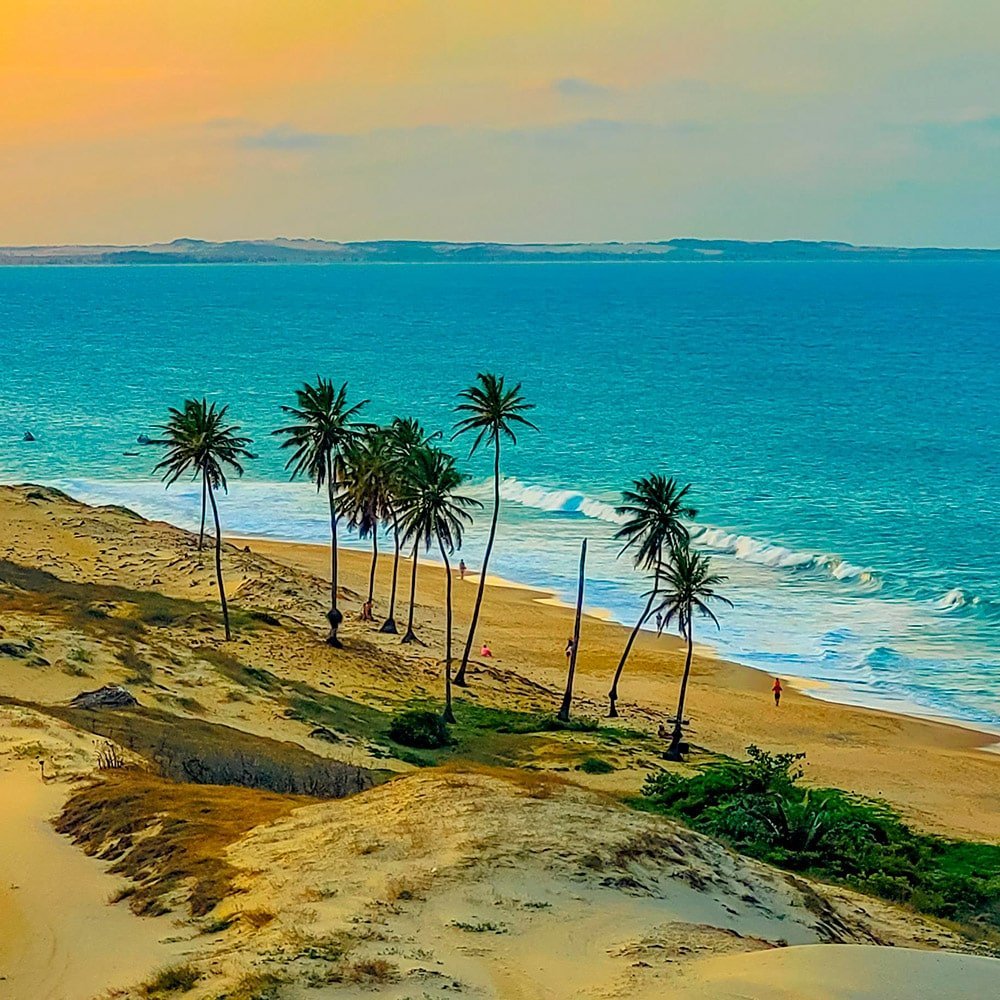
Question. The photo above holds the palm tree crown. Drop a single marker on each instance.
(198, 440)
(687, 586)
(325, 428)
(370, 472)
(430, 509)
(653, 510)
(493, 411)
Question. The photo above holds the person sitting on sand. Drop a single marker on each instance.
(486, 651)
(462, 569)
(366, 612)
(776, 688)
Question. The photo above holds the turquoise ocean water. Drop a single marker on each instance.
(839, 422)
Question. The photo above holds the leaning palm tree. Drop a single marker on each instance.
(405, 436)
(325, 427)
(687, 585)
(653, 510)
(198, 440)
(369, 481)
(493, 411)
(431, 510)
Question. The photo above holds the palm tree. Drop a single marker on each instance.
(652, 510)
(198, 440)
(405, 436)
(430, 510)
(324, 429)
(369, 480)
(493, 413)
(687, 585)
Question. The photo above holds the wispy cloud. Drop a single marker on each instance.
(288, 138)
(580, 88)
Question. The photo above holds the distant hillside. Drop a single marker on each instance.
(291, 251)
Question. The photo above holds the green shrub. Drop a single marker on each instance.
(420, 728)
(594, 765)
(760, 807)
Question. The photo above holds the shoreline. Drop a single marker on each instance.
(803, 686)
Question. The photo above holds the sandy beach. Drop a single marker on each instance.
(477, 872)
(913, 763)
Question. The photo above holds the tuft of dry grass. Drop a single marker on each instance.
(256, 918)
(167, 836)
(170, 980)
(370, 970)
(255, 986)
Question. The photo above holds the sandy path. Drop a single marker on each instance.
(60, 939)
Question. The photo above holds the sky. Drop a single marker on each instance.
(133, 121)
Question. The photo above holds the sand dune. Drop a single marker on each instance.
(493, 881)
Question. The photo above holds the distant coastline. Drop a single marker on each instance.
(308, 251)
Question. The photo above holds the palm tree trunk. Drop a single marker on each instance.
(371, 575)
(333, 616)
(613, 693)
(460, 676)
(218, 562)
(410, 635)
(204, 505)
(674, 750)
(389, 625)
(448, 715)
(567, 701)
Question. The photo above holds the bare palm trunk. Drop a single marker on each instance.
(410, 635)
(674, 750)
(460, 676)
(218, 562)
(448, 715)
(567, 701)
(204, 505)
(334, 615)
(371, 575)
(389, 625)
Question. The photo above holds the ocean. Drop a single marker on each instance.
(839, 423)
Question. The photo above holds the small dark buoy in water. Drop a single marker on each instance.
(28, 436)
(142, 439)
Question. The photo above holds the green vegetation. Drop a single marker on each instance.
(762, 809)
(421, 729)
(594, 765)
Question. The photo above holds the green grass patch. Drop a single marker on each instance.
(761, 807)
(595, 765)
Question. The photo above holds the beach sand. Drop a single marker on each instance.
(527, 882)
(935, 772)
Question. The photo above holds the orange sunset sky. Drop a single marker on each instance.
(458, 119)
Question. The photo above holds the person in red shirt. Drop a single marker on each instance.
(776, 688)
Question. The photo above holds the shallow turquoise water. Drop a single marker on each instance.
(839, 422)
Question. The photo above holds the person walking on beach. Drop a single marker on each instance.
(659, 623)
(462, 569)
(776, 688)
(569, 647)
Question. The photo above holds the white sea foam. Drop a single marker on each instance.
(558, 501)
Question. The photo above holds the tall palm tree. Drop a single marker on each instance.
(405, 436)
(369, 481)
(431, 510)
(325, 427)
(653, 510)
(687, 586)
(493, 411)
(198, 440)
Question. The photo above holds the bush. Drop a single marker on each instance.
(759, 806)
(594, 765)
(421, 729)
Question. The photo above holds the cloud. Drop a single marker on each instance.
(579, 88)
(288, 138)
